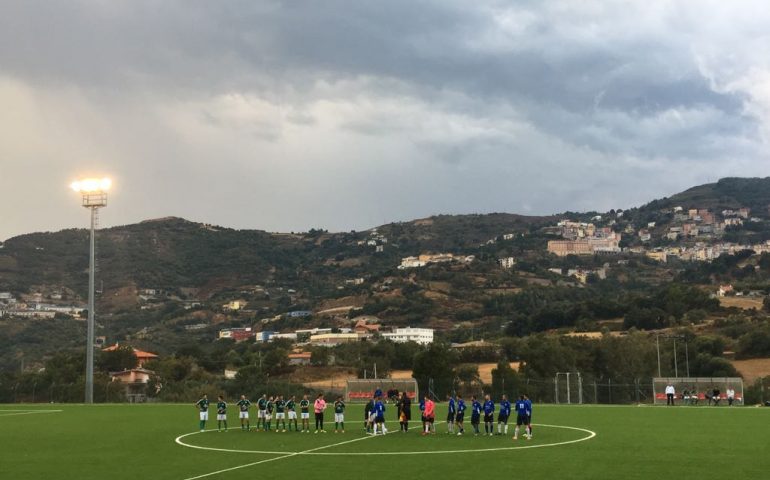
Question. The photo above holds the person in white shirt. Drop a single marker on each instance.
(670, 394)
(730, 396)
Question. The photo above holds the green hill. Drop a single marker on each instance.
(727, 193)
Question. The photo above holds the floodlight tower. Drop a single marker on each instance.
(94, 192)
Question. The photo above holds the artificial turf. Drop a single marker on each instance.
(138, 441)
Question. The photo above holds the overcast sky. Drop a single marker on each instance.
(345, 115)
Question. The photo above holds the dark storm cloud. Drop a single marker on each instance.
(504, 105)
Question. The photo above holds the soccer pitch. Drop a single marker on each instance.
(140, 441)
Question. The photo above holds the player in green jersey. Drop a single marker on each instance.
(262, 411)
(203, 409)
(221, 413)
(280, 414)
(269, 413)
(243, 405)
(304, 406)
(339, 415)
(291, 407)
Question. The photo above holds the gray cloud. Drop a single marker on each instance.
(290, 115)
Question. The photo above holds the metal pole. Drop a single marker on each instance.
(90, 334)
(687, 356)
(676, 370)
(657, 345)
(580, 389)
(556, 389)
(568, 399)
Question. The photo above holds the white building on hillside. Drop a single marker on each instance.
(423, 336)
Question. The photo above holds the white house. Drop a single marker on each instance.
(423, 336)
(507, 262)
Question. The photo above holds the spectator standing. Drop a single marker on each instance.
(670, 392)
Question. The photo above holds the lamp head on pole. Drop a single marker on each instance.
(94, 191)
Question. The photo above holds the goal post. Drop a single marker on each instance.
(362, 389)
(568, 388)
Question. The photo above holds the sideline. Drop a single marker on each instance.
(26, 412)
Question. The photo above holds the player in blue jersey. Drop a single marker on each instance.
(502, 417)
(451, 413)
(460, 416)
(475, 414)
(379, 416)
(369, 415)
(489, 415)
(521, 415)
(528, 403)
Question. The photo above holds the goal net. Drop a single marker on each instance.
(362, 389)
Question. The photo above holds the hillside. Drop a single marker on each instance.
(727, 193)
(169, 282)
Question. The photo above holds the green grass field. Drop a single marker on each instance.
(138, 441)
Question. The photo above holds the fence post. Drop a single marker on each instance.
(596, 392)
(609, 389)
(636, 387)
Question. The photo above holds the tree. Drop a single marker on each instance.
(122, 358)
(504, 380)
(435, 363)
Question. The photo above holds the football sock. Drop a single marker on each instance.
(202, 424)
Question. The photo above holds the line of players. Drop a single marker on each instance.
(456, 410)
(278, 407)
(374, 414)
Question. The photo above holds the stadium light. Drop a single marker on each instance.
(94, 196)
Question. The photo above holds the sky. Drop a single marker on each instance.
(286, 116)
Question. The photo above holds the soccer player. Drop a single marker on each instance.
(379, 416)
(243, 405)
(521, 416)
(339, 415)
(304, 407)
(262, 411)
(203, 409)
(422, 413)
(369, 415)
(489, 415)
(451, 412)
(475, 414)
(221, 413)
(460, 417)
(318, 407)
(528, 404)
(280, 414)
(430, 416)
(291, 407)
(502, 417)
(270, 406)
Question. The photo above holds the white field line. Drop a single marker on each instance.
(294, 454)
(591, 434)
(26, 412)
